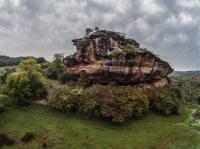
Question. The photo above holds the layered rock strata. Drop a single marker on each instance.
(106, 56)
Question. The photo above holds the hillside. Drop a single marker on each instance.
(13, 61)
(185, 73)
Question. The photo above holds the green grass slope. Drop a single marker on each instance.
(62, 131)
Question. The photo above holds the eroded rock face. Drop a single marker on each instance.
(105, 56)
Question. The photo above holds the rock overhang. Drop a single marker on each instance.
(111, 56)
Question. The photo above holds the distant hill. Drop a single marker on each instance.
(186, 73)
(12, 61)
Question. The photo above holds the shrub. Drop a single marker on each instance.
(28, 136)
(128, 102)
(65, 98)
(25, 83)
(89, 107)
(5, 140)
(4, 72)
(165, 100)
(116, 54)
(132, 53)
(18, 85)
(56, 67)
(116, 103)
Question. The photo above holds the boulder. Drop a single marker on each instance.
(106, 56)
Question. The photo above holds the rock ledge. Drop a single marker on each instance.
(106, 56)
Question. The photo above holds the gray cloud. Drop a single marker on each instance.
(44, 27)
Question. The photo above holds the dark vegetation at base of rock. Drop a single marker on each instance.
(118, 103)
(105, 56)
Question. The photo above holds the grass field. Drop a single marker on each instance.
(62, 131)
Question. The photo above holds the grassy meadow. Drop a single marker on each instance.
(57, 130)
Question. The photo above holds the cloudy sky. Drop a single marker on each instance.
(170, 28)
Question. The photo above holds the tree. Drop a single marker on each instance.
(25, 83)
(58, 61)
(56, 67)
(31, 67)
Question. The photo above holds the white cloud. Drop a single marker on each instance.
(44, 27)
(1, 3)
(150, 7)
(189, 3)
(15, 3)
(186, 18)
(182, 18)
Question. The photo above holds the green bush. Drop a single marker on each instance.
(56, 67)
(116, 103)
(165, 100)
(127, 102)
(4, 72)
(25, 84)
(116, 54)
(18, 85)
(65, 98)
(132, 53)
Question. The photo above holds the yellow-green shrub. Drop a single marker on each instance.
(65, 98)
(116, 103)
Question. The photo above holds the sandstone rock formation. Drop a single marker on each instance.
(105, 56)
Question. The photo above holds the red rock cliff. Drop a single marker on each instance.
(105, 56)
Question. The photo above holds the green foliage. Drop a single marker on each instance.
(58, 61)
(64, 98)
(56, 67)
(25, 83)
(118, 104)
(31, 67)
(62, 131)
(127, 102)
(165, 100)
(4, 72)
(116, 54)
(18, 85)
(132, 53)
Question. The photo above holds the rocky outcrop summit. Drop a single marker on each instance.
(106, 56)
